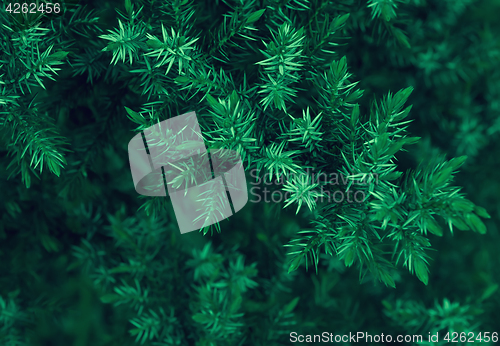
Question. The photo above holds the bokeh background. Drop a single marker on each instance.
(85, 260)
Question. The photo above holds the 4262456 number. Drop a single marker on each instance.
(471, 337)
(24, 8)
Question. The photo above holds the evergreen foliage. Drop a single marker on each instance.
(398, 100)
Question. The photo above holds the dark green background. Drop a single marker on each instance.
(50, 288)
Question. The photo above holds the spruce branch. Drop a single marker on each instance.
(174, 48)
(307, 131)
(308, 245)
(136, 297)
(34, 135)
(322, 43)
(383, 8)
(147, 326)
(126, 41)
(234, 126)
(302, 191)
(237, 23)
(281, 66)
(275, 160)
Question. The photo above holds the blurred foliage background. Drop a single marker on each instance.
(87, 261)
